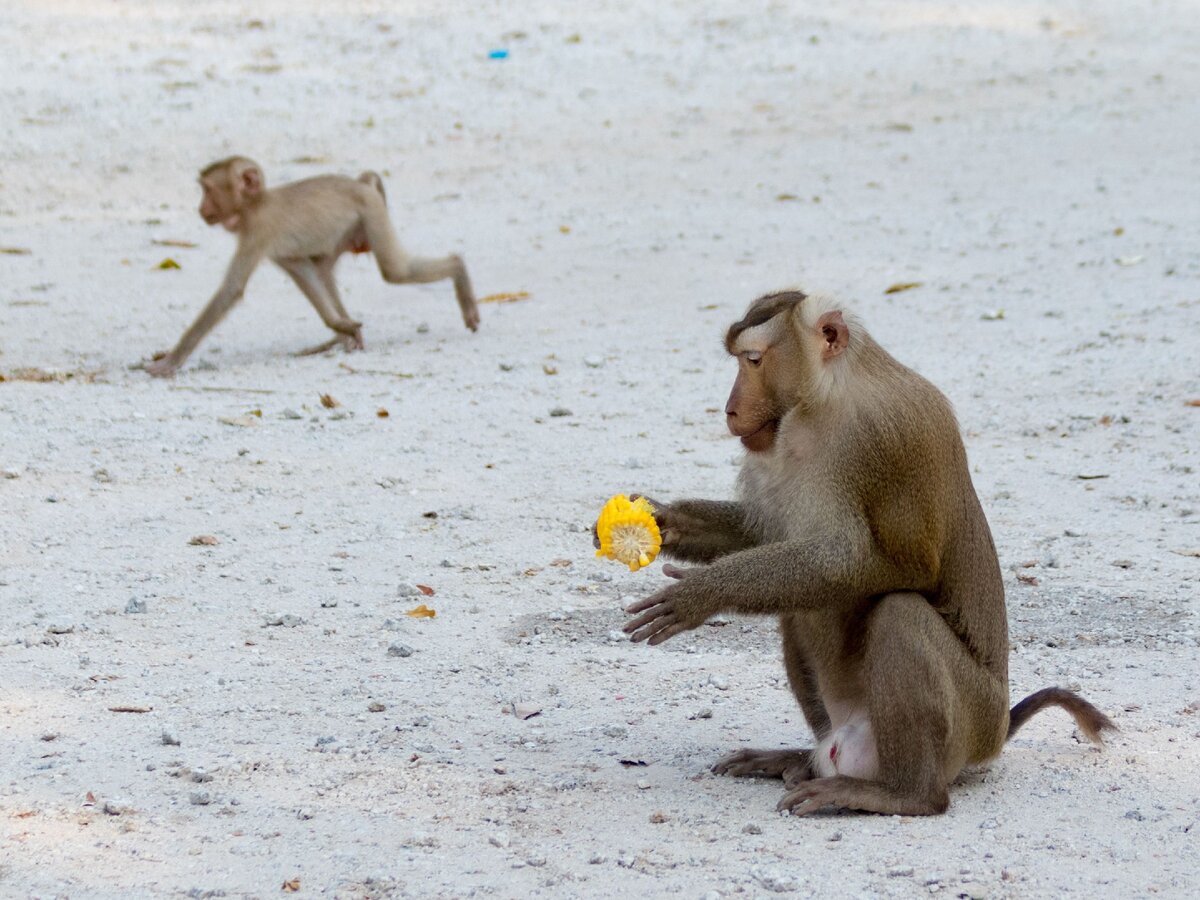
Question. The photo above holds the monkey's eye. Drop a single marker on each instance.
(753, 357)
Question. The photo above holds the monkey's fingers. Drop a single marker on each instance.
(674, 571)
(667, 633)
(643, 605)
(649, 628)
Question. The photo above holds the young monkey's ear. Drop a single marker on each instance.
(835, 336)
(252, 181)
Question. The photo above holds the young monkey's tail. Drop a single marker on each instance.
(1090, 720)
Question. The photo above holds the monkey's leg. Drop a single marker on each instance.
(793, 766)
(307, 277)
(929, 707)
(325, 272)
(397, 267)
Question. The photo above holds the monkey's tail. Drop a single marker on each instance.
(1090, 720)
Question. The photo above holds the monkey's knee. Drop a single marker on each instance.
(373, 179)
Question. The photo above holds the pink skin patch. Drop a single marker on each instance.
(833, 753)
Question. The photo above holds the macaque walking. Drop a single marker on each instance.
(304, 227)
(858, 526)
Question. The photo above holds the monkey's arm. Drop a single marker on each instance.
(703, 530)
(789, 576)
(241, 267)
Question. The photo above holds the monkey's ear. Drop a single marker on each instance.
(834, 334)
(252, 181)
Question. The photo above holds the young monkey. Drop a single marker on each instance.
(858, 526)
(304, 227)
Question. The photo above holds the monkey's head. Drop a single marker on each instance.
(789, 347)
(230, 186)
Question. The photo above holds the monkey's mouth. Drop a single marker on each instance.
(763, 438)
(233, 223)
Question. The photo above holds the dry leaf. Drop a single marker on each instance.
(1090, 477)
(130, 709)
(171, 242)
(291, 886)
(425, 589)
(526, 710)
(204, 540)
(25, 814)
(902, 286)
(168, 263)
(505, 297)
(560, 563)
(782, 198)
(44, 376)
(631, 763)
(311, 160)
(16, 251)
(532, 571)
(1027, 579)
(246, 421)
(1195, 553)
(328, 402)
(549, 369)
(381, 413)
(1195, 402)
(565, 229)
(89, 798)
(994, 315)
(422, 612)
(1129, 260)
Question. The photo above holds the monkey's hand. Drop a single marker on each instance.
(675, 609)
(162, 367)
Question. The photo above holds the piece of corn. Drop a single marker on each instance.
(628, 532)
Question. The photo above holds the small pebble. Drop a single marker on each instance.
(536, 861)
(751, 828)
(168, 739)
(593, 362)
(423, 328)
(658, 817)
(560, 411)
(615, 731)
(702, 714)
(500, 839)
(900, 872)
(376, 706)
(408, 589)
(290, 413)
(199, 798)
(102, 476)
(401, 650)
(643, 785)
(329, 603)
(720, 682)
(135, 605)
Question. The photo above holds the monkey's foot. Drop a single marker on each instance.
(161, 367)
(845, 792)
(793, 766)
(471, 317)
(348, 342)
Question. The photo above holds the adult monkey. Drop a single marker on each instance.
(859, 527)
(304, 227)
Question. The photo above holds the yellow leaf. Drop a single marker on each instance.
(168, 263)
(903, 286)
(16, 251)
(328, 402)
(170, 242)
(505, 297)
(382, 413)
(422, 612)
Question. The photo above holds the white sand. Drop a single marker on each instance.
(989, 150)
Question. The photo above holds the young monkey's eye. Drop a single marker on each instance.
(753, 357)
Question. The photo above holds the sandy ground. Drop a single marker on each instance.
(643, 170)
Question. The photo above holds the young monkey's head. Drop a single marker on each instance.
(230, 186)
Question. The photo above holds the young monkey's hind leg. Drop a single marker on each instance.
(314, 278)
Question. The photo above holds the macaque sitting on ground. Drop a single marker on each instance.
(858, 526)
(304, 227)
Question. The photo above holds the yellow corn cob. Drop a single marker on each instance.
(628, 532)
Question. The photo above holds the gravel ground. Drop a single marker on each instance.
(643, 170)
